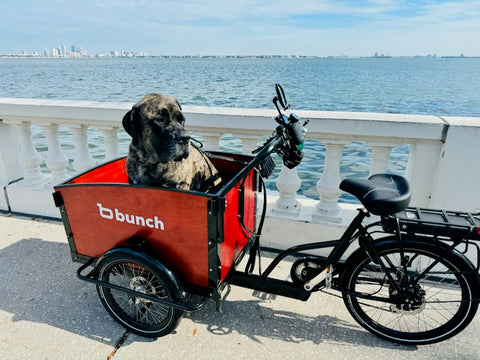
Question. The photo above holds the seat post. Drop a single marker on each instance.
(344, 242)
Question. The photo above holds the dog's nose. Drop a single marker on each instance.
(184, 139)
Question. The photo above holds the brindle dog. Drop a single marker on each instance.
(160, 153)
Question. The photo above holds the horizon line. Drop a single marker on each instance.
(142, 54)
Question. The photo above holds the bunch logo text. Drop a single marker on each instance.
(117, 215)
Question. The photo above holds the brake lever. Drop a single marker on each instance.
(275, 102)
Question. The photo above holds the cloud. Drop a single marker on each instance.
(451, 11)
(312, 27)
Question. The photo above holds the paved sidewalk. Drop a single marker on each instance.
(47, 313)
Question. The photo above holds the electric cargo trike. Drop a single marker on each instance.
(154, 253)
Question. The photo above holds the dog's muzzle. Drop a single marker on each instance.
(183, 141)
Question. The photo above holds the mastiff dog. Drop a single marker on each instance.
(160, 153)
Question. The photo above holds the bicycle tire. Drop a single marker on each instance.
(141, 316)
(440, 302)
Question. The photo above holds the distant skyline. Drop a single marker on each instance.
(245, 27)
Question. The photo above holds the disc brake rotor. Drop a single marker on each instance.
(410, 301)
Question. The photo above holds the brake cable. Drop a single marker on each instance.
(255, 248)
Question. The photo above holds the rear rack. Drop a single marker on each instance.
(442, 223)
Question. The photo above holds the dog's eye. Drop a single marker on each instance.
(181, 119)
(164, 115)
(162, 118)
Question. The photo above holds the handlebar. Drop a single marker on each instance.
(268, 148)
(289, 135)
(286, 141)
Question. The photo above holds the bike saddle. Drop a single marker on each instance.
(381, 194)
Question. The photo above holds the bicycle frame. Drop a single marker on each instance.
(332, 264)
(262, 282)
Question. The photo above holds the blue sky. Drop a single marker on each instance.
(247, 27)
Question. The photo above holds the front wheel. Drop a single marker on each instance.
(141, 316)
(420, 295)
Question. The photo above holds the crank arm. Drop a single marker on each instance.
(326, 275)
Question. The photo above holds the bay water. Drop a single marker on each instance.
(426, 85)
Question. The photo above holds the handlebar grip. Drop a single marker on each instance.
(296, 133)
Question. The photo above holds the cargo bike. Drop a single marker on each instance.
(412, 276)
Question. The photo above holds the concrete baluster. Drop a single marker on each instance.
(380, 158)
(327, 209)
(210, 140)
(288, 183)
(110, 140)
(56, 161)
(249, 142)
(29, 157)
(83, 159)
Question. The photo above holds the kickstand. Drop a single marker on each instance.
(219, 298)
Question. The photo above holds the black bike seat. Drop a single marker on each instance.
(381, 194)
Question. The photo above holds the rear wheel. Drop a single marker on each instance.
(141, 316)
(425, 299)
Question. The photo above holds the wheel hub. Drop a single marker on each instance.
(410, 300)
(140, 284)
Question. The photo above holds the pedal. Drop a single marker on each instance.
(263, 295)
(329, 277)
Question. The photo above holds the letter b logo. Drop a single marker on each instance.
(105, 212)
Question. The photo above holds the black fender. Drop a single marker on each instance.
(435, 246)
(131, 253)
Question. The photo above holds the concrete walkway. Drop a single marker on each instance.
(47, 313)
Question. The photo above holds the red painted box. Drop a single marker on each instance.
(198, 236)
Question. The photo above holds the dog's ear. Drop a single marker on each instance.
(180, 106)
(130, 124)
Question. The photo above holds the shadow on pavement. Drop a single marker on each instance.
(39, 284)
(256, 320)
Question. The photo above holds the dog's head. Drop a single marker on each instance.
(156, 125)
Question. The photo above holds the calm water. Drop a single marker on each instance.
(431, 86)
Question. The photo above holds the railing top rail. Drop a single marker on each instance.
(326, 124)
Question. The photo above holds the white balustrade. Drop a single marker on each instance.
(288, 183)
(211, 140)
(10, 169)
(380, 157)
(456, 179)
(29, 158)
(83, 160)
(110, 140)
(249, 142)
(431, 150)
(422, 167)
(56, 160)
(327, 209)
